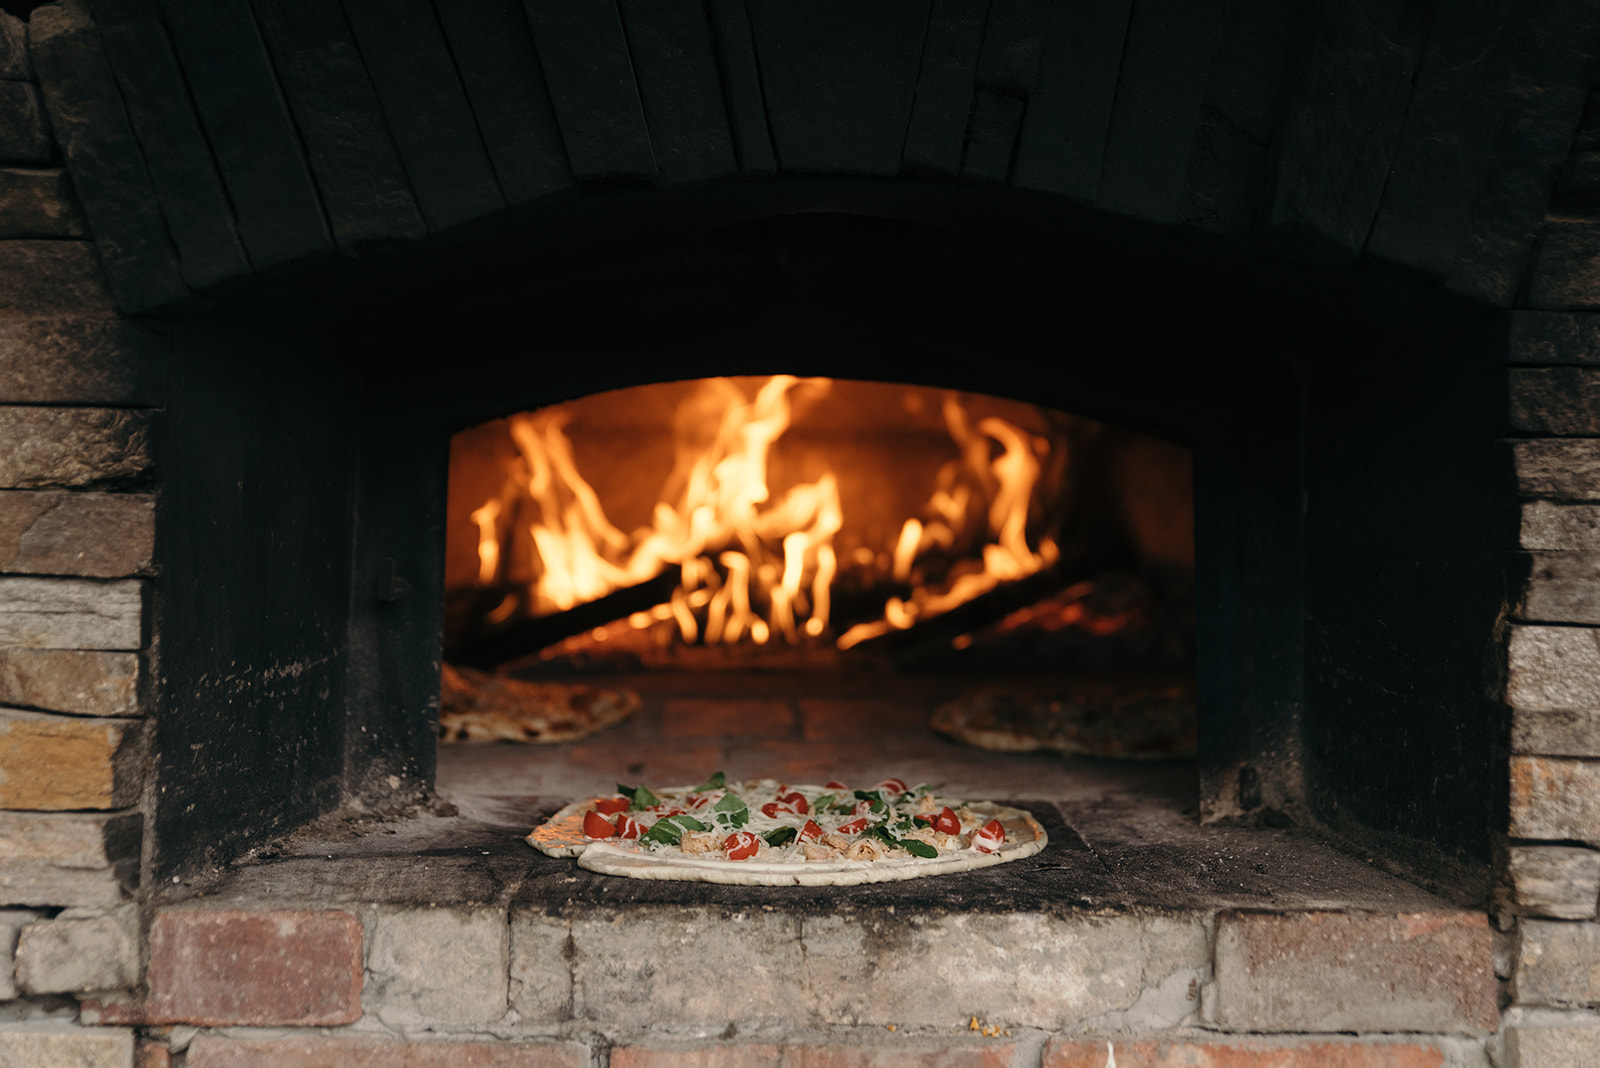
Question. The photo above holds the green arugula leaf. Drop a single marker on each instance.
(780, 836)
(731, 812)
(918, 848)
(867, 795)
(626, 791)
(878, 806)
(716, 782)
(689, 823)
(665, 832)
(902, 826)
(642, 799)
(822, 802)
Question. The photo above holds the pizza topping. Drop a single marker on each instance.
(863, 849)
(610, 806)
(893, 786)
(855, 826)
(810, 832)
(990, 838)
(812, 851)
(741, 845)
(730, 812)
(779, 836)
(669, 829)
(597, 826)
(693, 842)
(639, 797)
(628, 827)
(716, 782)
(947, 822)
(834, 785)
(796, 801)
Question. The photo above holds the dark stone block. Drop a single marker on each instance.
(1551, 70)
(1561, 470)
(24, 133)
(1565, 274)
(741, 86)
(996, 121)
(275, 204)
(1559, 401)
(1012, 44)
(1343, 128)
(586, 65)
(839, 78)
(427, 109)
(1064, 130)
(1553, 338)
(1582, 173)
(1242, 109)
(943, 106)
(341, 123)
(1588, 137)
(1455, 110)
(676, 70)
(1157, 110)
(39, 203)
(80, 361)
(52, 279)
(500, 68)
(1561, 588)
(179, 160)
(14, 64)
(107, 166)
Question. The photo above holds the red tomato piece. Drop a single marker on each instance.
(989, 838)
(628, 827)
(924, 817)
(862, 808)
(854, 826)
(697, 801)
(796, 801)
(834, 784)
(894, 786)
(810, 832)
(597, 826)
(950, 823)
(770, 810)
(610, 806)
(741, 845)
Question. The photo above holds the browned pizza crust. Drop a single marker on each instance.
(1101, 719)
(478, 707)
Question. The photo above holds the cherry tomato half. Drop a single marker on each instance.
(796, 801)
(597, 826)
(770, 810)
(854, 826)
(989, 838)
(628, 827)
(810, 832)
(834, 784)
(894, 786)
(949, 823)
(741, 845)
(610, 806)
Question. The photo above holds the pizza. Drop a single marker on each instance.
(767, 833)
(1100, 719)
(475, 706)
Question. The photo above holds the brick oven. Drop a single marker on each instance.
(262, 260)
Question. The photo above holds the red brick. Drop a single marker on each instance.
(879, 1054)
(269, 968)
(686, 718)
(1240, 1053)
(1355, 971)
(151, 1055)
(320, 1051)
(112, 1009)
(828, 719)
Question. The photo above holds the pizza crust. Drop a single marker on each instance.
(475, 706)
(1144, 721)
(562, 836)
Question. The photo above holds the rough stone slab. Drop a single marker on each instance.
(1561, 588)
(80, 361)
(268, 968)
(1551, 70)
(1455, 111)
(39, 203)
(1558, 964)
(277, 211)
(107, 166)
(1565, 275)
(959, 1051)
(839, 103)
(1570, 527)
(45, 447)
(1562, 882)
(12, 921)
(331, 1051)
(55, 763)
(426, 108)
(49, 613)
(946, 82)
(1157, 111)
(1553, 668)
(996, 121)
(68, 858)
(24, 131)
(1561, 401)
(1013, 41)
(79, 951)
(353, 158)
(53, 279)
(1063, 134)
(675, 69)
(176, 154)
(1556, 732)
(438, 966)
(1565, 470)
(541, 975)
(500, 69)
(1329, 971)
(741, 81)
(78, 681)
(1545, 339)
(94, 535)
(1552, 1046)
(151, 1053)
(1216, 1051)
(586, 65)
(1342, 130)
(14, 62)
(1555, 798)
(64, 1046)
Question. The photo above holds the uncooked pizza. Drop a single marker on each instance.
(767, 833)
(1130, 721)
(478, 707)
